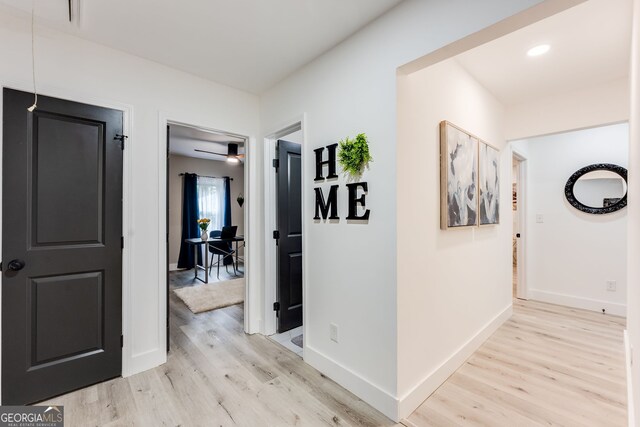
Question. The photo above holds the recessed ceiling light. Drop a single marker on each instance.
(539, 50)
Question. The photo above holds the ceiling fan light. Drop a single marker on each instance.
(231, 159)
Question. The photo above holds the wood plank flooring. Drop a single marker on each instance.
(548, 365)
(216, 375)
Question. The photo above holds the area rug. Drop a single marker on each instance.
(297, 340)
(206, 297)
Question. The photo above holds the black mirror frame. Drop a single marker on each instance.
(571, 198)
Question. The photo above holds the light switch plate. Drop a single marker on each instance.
(333, 332)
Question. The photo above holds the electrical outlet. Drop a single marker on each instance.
(611, 285)
(539, 218)
(333, 332)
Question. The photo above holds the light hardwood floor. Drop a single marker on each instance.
(218, 376)
(548, 365)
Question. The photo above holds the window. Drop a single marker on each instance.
(211, 201)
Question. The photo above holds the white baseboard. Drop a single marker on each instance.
(173, 267)
(578, 302)
(380, 399)
(414, 397)
(628, 355)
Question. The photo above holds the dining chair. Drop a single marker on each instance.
(224, 250)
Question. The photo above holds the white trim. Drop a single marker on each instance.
(628, 353)
(375, 396)
(129, 360)
(521, 247)
(414, 398)
(271, 223)
(252, 320)
(270, 248)
(173, 266)
(578, 302)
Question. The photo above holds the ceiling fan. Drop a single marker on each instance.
(231, 154)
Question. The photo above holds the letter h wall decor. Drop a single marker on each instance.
(469, 179)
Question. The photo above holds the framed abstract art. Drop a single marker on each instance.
(469, 179)
(458, 177)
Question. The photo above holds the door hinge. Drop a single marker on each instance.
(121, 242)
(276, 164)
(121, 341)
(276, 236)
(276, 308)
(120, 138)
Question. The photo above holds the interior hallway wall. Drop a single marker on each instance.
(593, 106)
(72, 68)
(348, 90)
(204, 167)
(572, 254)
(459, 277)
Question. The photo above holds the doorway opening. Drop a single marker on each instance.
(576, 235)
(519, 220)
(284, 248)
(205, 223)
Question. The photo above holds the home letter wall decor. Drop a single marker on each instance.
(328, 208)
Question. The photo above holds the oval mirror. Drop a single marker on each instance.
(598, 189)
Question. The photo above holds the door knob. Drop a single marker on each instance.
(16, 265)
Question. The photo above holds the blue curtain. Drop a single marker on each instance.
(227, 202)
(190, 227)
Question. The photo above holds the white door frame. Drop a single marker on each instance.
(271, 222)
(521, 243)
(166, 119)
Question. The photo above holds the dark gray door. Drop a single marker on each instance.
(290, 236)
(61, 247)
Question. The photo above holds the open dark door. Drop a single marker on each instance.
(289, 290)
(61, 243)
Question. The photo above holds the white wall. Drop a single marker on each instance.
(352, 89)
(593, 106)
(633, 233)
(181, 164)
(571, 255)
(453, 286)
(71, 68)
(296, 137)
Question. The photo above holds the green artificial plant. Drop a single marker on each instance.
(354, 154)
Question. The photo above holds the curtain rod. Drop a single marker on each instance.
(205, 176)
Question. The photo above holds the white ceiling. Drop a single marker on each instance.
(246, 44)
(184, 140)
(590, 44)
